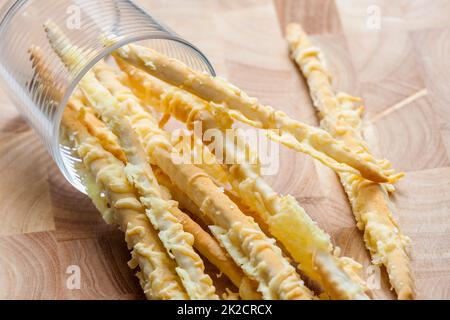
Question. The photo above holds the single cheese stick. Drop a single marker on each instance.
(158, 277)
(370, 202)
(181, 197)
(224, 97)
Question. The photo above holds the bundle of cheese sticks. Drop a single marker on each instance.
(179, 215)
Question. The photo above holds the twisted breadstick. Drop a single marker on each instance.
(260, 259)
(226, 98)
(181, 197)
(287, 221)
(249, 247)
(178, 243)
(204, 243)
(370, 201)
(158, 277)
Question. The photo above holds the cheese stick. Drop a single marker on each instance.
(341, 117)
(244, 241)
(158, 277)
(181, 197)
(177, 242)
(224, 97)
(204, 243)
(286, 220)
(260, 259)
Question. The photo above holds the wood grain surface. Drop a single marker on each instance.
(47, 226)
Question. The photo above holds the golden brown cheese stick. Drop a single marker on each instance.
(370, 201)
(181, 197)
(285, 219)
(226, 98)
(177, 242)
(158, 277)
(260, 258)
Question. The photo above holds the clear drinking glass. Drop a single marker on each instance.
(85, 22)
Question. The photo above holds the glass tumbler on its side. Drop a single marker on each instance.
(85, 22)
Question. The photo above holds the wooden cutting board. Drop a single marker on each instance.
(398, 63)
